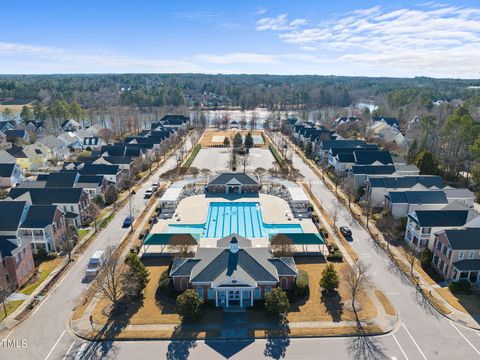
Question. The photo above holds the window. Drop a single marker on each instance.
(200, 292)
(426, 230)
(211, 293)
(460, 255)
(471, 254)
(438, 245)
(257, 294)
(268, 289)
(464, 275)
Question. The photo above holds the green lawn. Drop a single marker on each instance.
(11, 307)
(82, 233)
(45, 268)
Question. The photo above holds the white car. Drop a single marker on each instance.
(155, 186)
(95, 263)
(148, 193)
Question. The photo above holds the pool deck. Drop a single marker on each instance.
(194, 209)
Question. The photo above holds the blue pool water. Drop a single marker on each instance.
(243, 218)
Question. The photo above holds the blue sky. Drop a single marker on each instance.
(371, 38)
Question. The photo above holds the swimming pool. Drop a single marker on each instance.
(243, 218)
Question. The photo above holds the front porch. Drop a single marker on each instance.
(235, 297)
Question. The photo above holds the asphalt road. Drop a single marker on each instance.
(45, 329)
(422, 333)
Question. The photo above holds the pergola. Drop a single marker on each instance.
(299, 239)
(170, 239)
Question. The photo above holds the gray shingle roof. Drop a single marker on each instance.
(373, 169)
(49, 196)
(6, 170)
(39, 216)
(468, 264)
(464, 239)
(401, 182)
(222, 179)
(417, 197)
(368, 157)
(61, 180)
(433, 218)
(99, 169)
(6, 246)
(11, 214)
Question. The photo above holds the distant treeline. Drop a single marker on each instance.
(244, 91)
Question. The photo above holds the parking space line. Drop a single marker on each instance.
(55, 345)
(399, 346)
(413, 340)
(69, 349)
(464, 337)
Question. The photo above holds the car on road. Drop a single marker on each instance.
(345, 230)
(128, 221)
(95, 263)
(148, 193)
(155, 186)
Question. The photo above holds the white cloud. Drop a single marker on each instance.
(279, 23)
(85, 60)
(260, 11)
(430, 39)
(237, 58)
(219, 20)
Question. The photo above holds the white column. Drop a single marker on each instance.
(251, 297)
(227, 293)
(216, 298)
(241, 298)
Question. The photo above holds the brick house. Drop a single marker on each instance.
(233, 273)
(456, 254)
(233, 183)
(15, 255)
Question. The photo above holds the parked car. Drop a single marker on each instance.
(95, 263)
(155, 186)
(128, 221)
(345, 230)
(148, 193)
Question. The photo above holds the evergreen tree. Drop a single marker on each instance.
(248, 140)
(426, 163)
(237, 141)
(276, 302)
(189, 305)
(329, 280)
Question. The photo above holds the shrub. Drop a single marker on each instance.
(276, 302)
(189, 305)
(461, 286)
(329, 280)
(335, 256)
(301, 284)
(426, 258)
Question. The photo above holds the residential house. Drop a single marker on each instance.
(124, 162)
(16, 135)
(70, 125)
(92, 142)
(175, 121)
(233, 183)
(360, 173)
(58, 147)
(38, 156)
(401, 203)
(377, 186)
(326, 145)
(345, 120)
(456, 254)
(390, 121)
(7, 125)
(71, 140)
(407, 170)
(112, 173)
(10, 175)
(35, 126)
(15, 256)
(93, 185)
(422, 225)
(463, 196)
(44, 227)
(233, 273)
(74, 202)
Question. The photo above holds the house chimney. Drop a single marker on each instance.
(234, 245)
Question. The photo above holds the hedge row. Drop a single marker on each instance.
(277, 156)
(194, 153)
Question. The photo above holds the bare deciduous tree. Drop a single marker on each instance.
(260, 172)
(411, 256)
(108, 280)
(243, 161)
(356, 280)
(348, 185)
(335, 215)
